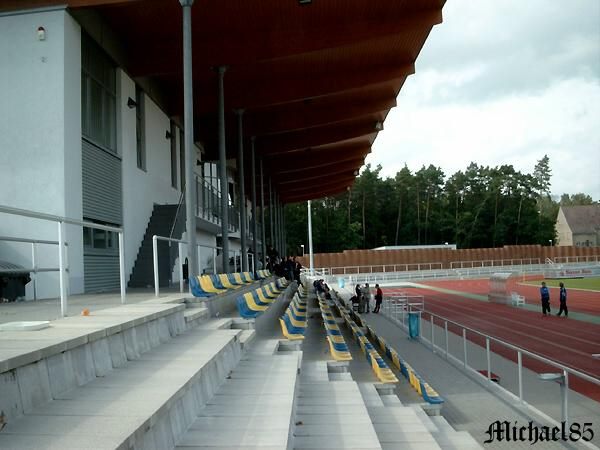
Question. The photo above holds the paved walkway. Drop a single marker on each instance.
(49, 309)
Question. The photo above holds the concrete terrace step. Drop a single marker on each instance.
(370, 395)
(332, 415)
(195, 316)
(391, 400)
(218, 324)
(314, 371)
(247, 337)
(146, 403)
(250, 410)
(456, 440)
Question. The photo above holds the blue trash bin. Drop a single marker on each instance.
(413, 325)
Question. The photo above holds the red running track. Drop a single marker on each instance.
(570, 342)
(577, 300)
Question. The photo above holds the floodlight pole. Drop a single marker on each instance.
(310, 242)
(188, 122)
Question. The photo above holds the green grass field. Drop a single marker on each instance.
(590, 284)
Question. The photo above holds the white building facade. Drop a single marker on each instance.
(79, 138)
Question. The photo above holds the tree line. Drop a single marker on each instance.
(476, 208)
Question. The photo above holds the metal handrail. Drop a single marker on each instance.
(61, 221)
(181, 197)
(565, 369)
(180, 243)
(35, 269)
(543, 359)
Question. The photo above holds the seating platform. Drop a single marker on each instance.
(294, 321)
(128, 377)
(190, 381)
(251, 304)
(337, 344)
(252, 409)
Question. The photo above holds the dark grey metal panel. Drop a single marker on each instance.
(102, 185)
(101, 273)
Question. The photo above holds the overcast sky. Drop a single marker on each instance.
(503, 82)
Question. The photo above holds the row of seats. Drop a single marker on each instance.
(294, 320)
(254, 303)
(379, 366)
(416, 381)
(217, 283)
(337, 344)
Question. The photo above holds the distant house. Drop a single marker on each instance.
(579, 225)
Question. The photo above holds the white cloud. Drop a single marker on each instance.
(504, 82)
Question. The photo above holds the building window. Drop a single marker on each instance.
(98, 95)
(94, 238)
(173, 155)
(140, 144)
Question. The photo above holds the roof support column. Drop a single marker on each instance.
(242, 193)
(271, 212)
(223, 173)
(283, 228)
(188, 140)
(310, 241)
(262, 215)
(281, 236)
(275, 225)
(253, 170)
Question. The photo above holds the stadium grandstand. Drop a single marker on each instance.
(150, 147)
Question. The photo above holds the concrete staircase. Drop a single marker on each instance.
(253, 409)
(339, 413)
(398, 426)
(162, 219)
(126, 382)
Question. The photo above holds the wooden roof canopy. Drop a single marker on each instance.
(316, 79)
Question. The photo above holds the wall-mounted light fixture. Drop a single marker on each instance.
(305, 2)
(41, 34)
(168, 135)
(378, 126)
(131, 103)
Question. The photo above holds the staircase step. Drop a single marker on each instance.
(132, 403)
(217, 324)
(243, 418)
(370, 395)
(391, 400)
(431, 426)
(342, 376)
(247, 337)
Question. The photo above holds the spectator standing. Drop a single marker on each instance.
(563, 300)
(545, 297)
(367, 295)
(378, 298)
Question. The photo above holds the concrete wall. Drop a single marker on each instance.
(40, 138)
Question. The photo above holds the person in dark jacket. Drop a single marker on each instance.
(545, 296)
(563, 300)
(378, 298)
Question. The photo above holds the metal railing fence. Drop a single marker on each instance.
(62, 268)
(393, 310)
(35, 269)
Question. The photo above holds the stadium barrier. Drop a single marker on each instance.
(563, 372)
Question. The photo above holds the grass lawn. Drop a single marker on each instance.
(590, 284)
